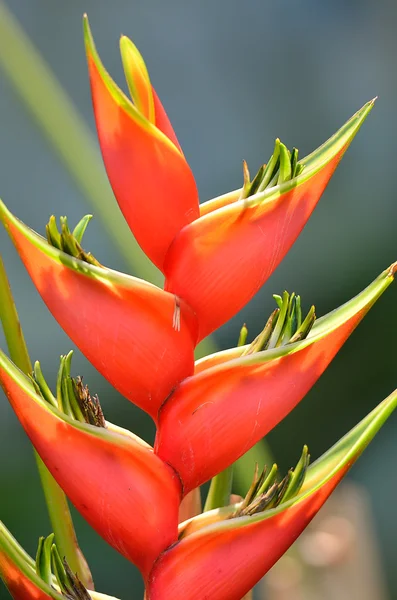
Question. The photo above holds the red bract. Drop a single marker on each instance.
(215, 416)
(126, 493)
(18, 583)
(224, 560)
(138, 336)
(219, 262)
(150, 177)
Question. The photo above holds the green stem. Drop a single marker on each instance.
(220, 490)
(57, 504)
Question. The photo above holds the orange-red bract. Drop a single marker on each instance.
(126, 493)
(151, 180)
(139, 337)
(214, 417)
(219, 262)
(225, 565)
(225, 559)
(18, 584)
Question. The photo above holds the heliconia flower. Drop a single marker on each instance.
(224, 560)
(113, 478)
(19, 573)
(215, 416)
(138, 336)
(151, 180)
(219, 261)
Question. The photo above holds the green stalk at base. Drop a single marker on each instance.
(57, 504)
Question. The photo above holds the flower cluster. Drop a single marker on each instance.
(208, 413)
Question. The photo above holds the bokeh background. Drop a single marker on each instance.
(233, 76)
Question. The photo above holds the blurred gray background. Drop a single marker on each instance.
(232, 77)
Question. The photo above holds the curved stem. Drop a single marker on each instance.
(57, 503)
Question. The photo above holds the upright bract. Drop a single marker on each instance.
(142, 339)
(151, 179)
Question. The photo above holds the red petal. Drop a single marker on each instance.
(151, 179)
(214, 417)
(219, 262)
(124, 491)
(123, 325)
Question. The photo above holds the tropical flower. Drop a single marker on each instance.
(142, 339)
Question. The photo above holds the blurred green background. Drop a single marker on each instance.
(232, 76)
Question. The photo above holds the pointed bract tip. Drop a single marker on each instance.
(393, 269)
(88, 39)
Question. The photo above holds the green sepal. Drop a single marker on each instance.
(242, 338)
(269, 480)
(53, 235)
(59, 570)
(297, 476)
(42, 386)
(271, 167)
(128, 51)
(80, 228)
(43, 558)
(285, 170)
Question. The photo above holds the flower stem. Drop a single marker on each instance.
(57, 504)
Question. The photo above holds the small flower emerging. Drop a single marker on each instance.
(283, 166)
(72, 397)
(266, 492)
(51, 569)
(70, 241)
(284, 326)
